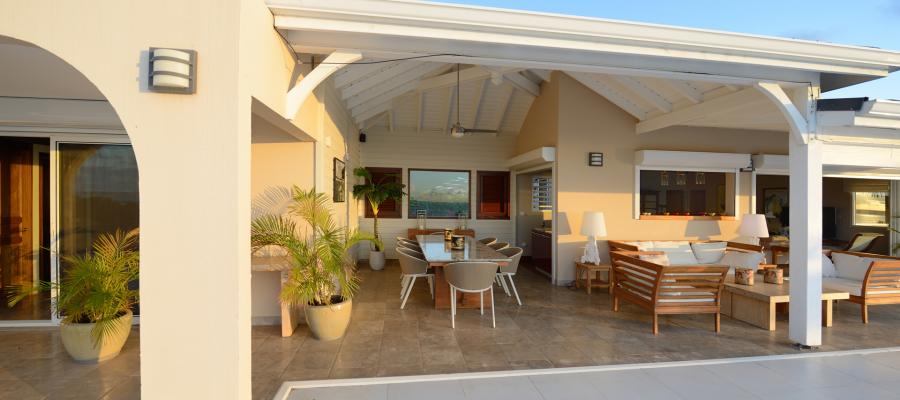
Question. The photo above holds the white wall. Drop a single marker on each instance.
(405, 149)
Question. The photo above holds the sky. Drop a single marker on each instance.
(874, 23)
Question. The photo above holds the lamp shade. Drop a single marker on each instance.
(754, 225)
(593, 224)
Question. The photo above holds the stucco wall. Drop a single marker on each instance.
(541, 124)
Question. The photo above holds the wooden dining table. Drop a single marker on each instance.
(438, 254)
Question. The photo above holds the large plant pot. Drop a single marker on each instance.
(329, 322)
(80, 344)
(376, 260)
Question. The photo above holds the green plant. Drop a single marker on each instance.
(323, 271)
(377, 193)
(95, 286)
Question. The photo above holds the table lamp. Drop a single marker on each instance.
(593, 225)
(754, 226)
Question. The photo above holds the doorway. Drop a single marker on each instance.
(24, 225)
(534, 219)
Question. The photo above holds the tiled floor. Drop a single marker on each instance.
(815, 376)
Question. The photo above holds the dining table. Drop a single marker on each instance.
(438, 253)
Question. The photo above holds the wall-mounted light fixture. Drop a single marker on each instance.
(172, 71)
(595, 159)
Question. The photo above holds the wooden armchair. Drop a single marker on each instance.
(667, 289)
(881, 284)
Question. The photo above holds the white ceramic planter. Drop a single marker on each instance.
(329, 322)
(80, 344)
(376, 260)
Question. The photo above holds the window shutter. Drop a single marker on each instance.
(493, 195)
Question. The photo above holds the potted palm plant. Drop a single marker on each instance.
(94, 297)
(323, 275)
(376, 193)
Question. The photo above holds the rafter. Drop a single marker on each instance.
(645, 93)
(449, 79)
(504, 110)
(420, 113)
(544, 74)
(523, 83)
(707, 108)
(355, 72)
(610, 94)
(685, 89)
(479, 103)
(378, 78)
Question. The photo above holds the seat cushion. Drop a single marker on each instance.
(741, 259)
(679, 252)
(851, 267)
(828, 270)
(658, 259)
(643, 245)
(709, 252)
(842, 285)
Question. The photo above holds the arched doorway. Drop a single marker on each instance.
(67, 173)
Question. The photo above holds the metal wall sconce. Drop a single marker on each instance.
(172, 71)
(595, 159)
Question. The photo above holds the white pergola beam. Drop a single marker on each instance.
(355, 72)
(298, 94)
(504, 109)
(449, 79)
(707, 108)
(523, 83)
(378, 78)
(687, 90)
(479, 103)
(645, 93)
(542, 73)
(796, 120)
(420, 114)
(389, 86)
(610, 94)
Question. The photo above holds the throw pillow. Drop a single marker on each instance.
(659, 259)
(709, 252)
(851, 267)
(828, 270)
(678, 252)
(741, 259)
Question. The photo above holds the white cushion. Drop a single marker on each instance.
(842, 285)
(678, 252)
(641, 245)
(741, 259)
(849, 266)
(659, 259)
(828, 270)
(709, 252)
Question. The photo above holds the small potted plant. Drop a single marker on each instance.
(376, 193)
(94, 297)
(323, 275)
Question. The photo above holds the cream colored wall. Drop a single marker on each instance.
(541, 124)
(194, 157)
(588, 122)
(432, 150)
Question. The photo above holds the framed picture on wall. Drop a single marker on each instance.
(339, 185)
(774, 201)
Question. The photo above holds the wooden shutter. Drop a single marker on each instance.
(493, 195)
(390, 208)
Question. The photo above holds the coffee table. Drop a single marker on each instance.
(757, 304)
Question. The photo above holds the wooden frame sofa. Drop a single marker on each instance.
(871, 279)
(661, 290)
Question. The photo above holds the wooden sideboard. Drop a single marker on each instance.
(411, 233)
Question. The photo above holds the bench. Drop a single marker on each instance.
(871, 279)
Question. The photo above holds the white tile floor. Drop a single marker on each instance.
(869, 374)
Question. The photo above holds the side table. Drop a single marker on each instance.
(584, 272)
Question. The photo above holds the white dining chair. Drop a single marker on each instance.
(471, 277)
(508, 271)
(412, 267)
(409, 245)
(498, 245)
(488, 240)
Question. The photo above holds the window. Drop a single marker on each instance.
(441, 193)
(541, 193)
(493, 195)
(390, 208)
(673, 194)
(870, 208)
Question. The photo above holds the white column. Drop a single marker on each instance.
(806, 241)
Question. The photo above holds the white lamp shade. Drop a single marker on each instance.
(593, 224)
(754, 225)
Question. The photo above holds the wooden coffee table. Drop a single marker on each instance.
(757, 304)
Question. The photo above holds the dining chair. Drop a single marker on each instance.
(488, 240)
(863, 242)
(409, 244)
(471, 277)
(412, 266)
(508, 271)
(498, 245)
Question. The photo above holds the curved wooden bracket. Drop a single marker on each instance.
(799, 125)
(298, 94)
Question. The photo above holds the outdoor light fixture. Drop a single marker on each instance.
(595, 159)
(172, 71)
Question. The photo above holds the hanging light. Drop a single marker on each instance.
(663, 178)
(680, 179)
(700, 178)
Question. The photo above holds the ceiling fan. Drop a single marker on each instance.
(457, 130)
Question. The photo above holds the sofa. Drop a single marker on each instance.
(870, 279)
(694, 252)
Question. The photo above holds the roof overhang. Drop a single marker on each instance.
(876, 122)
(500, 37)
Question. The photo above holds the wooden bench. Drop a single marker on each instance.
(665, 290)
(881, 284)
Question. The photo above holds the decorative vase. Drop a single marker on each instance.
(775, 276)
(744, 276)
(376, 260)
(329, 322)
(79, 342)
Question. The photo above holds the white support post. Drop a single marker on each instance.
(806, 242)
(298, 94)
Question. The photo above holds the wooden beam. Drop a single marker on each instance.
(354, 72)
(685, 89)
(795, 119)
(504, 110)
(610, 94)
(378, 78)
(522, 83)
(714, 106)
(544, 74)
(644, 92)
(390, 85)
(420, 112)
(298, 94)
(449, 79)
(479, 103)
